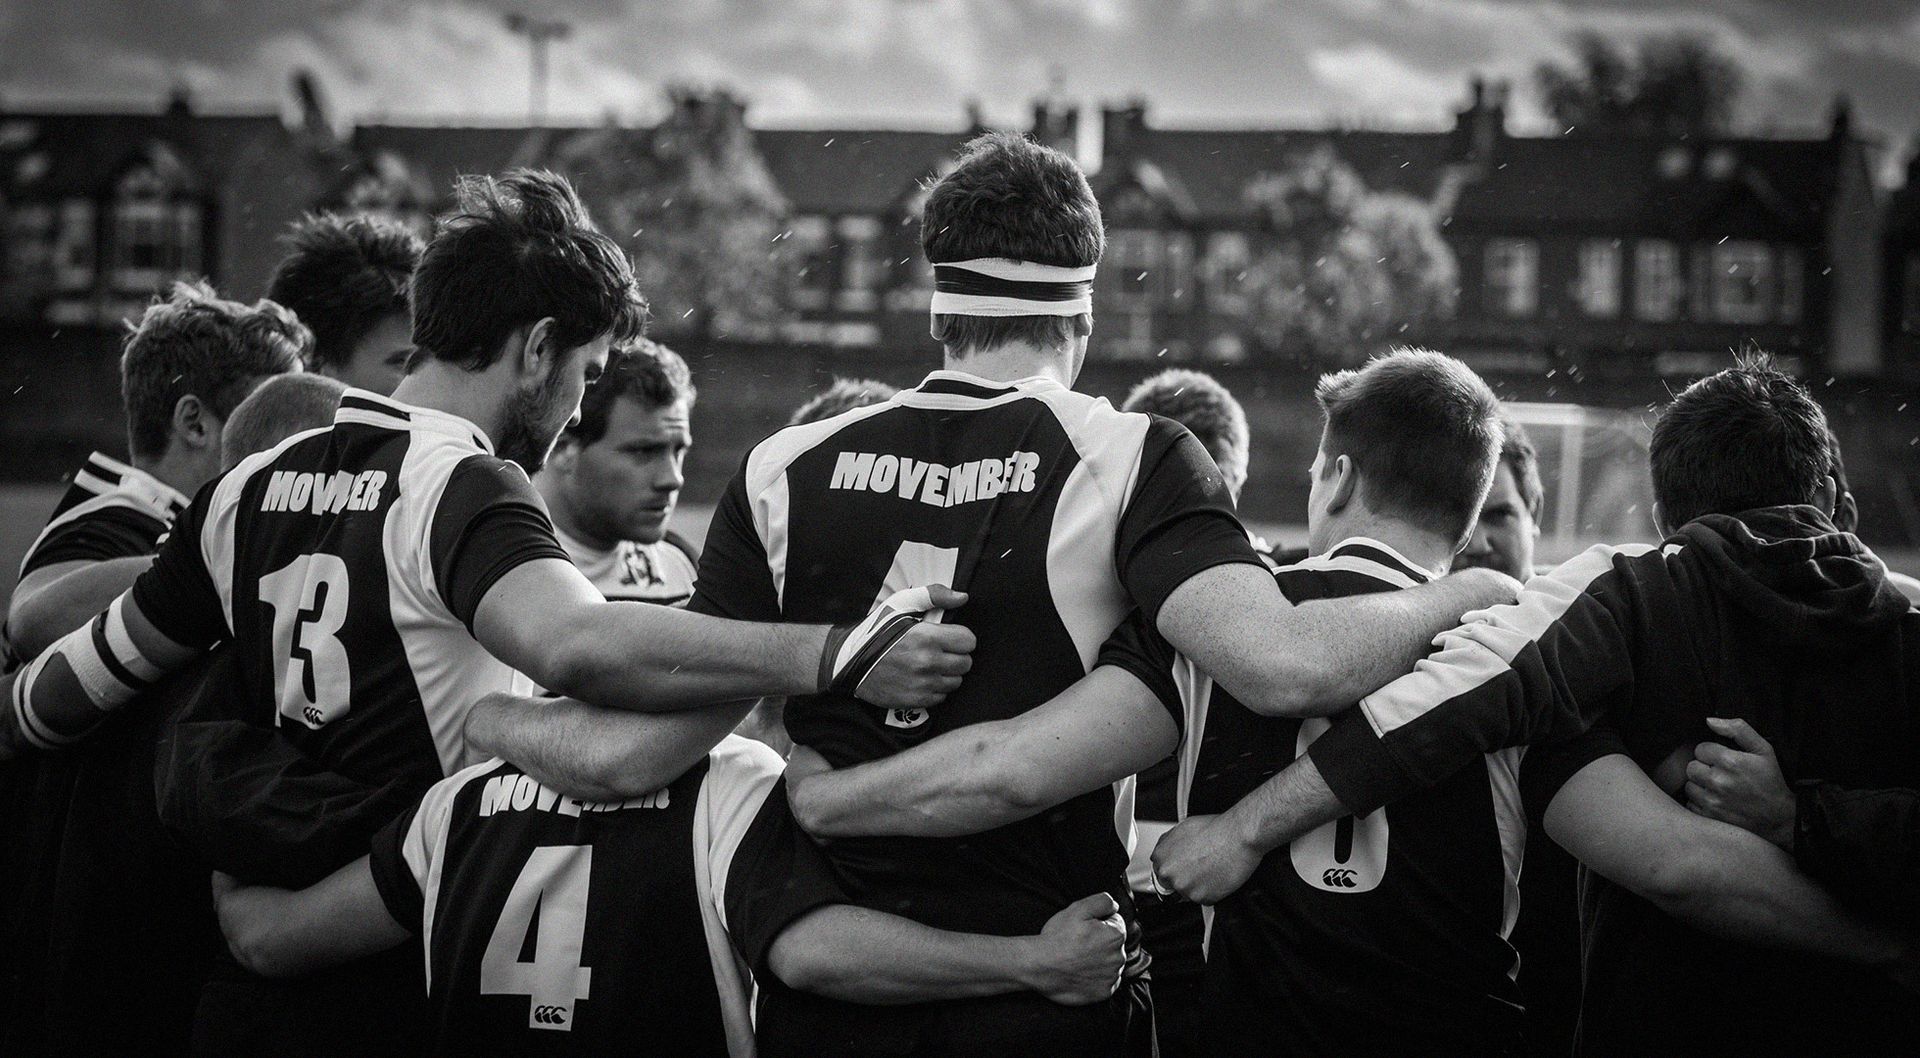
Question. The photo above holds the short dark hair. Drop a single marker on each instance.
(342, 275)
(844, 395)
(1518, 453)
(1197, 401)
(1746, 437)
(1424, 431)
(1014, 198)
(516, 249)
(644, 370)
(281, 407)
(194, 342)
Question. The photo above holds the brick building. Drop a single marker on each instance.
(1611, 252)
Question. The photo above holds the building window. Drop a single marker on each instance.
(1657, 286)
(1599, 286)
(1176, 271)
(1229, 256)
(1130, 272)
(812, 262)
(156, 233)
(73, 253)
(1793, 285)
(1512, 276)
(861, 267)
(1742, 282)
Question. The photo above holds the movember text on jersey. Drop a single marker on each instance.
(935, 484)
(519, 793)
(294, 490)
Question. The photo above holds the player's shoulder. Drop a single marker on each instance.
(777, 451)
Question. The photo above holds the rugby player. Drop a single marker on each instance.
(1060, 515)
(1700, 937)
(346, 277)
(283, 406)
(615, 474)
(94, 898)
(377, 578)
(1171, 930)
(1414, 901)
(1508, 527)
(585, 927)
(844, 395)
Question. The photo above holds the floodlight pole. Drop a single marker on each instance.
(539, 32)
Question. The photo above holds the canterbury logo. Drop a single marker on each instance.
(906, 717)
(1338, 878)
(549, 1015)
(313, 716)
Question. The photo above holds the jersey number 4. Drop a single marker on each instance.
(549, 899)
(313, 682)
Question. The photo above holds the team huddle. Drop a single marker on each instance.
(372, 708)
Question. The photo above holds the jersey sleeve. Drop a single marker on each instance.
(1539, 669)
(767, 873)
(108, 533)
(734, 579)
(489, 522)
(405, 851)
(1178, 520)
(1137, 648)
(177, 594)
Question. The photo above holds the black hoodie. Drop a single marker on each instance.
(1770, 615)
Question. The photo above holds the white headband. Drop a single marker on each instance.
(998, 286)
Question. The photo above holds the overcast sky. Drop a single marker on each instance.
(913, 62)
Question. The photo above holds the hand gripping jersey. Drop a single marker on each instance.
(1379, 935)
(558, 926)
(346, 564)
(661, 572)
(1056, 513)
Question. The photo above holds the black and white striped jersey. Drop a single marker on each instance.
(1057, 515)
(661, 572)
(111, 510)
(558, 926)
(345, 565)
(1384, 934)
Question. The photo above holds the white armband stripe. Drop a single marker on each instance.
(120, 641)
(31, 727)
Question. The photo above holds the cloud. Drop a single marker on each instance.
(917, 61)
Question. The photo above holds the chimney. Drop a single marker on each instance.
(1056, 123)
(1121, 126)
(1842, 129)
(1478, 128)
(315, 125)
(976, 116)
(179, 101)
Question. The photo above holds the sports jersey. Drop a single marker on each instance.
(559, 926)
(347, 564)
(1771, 616)
(1056, 513)
(110, 510)
(1379, 935)
(660, 572)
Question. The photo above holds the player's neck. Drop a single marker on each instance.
(181, 470)
(1015, 361)
(472, 395)
(564, 520)
(1428, 552)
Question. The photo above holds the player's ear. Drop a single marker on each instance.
(194, 424)
(541, 353)
(1340, 490)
